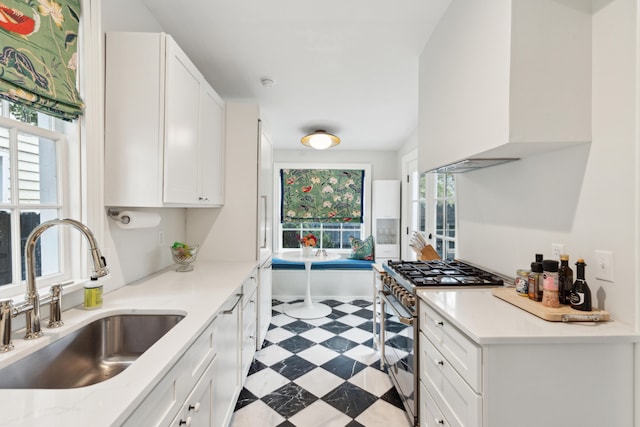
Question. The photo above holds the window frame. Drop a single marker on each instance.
(17, 285)
(366, 214)
(432, 199)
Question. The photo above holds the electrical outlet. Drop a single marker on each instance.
(557, 249)
(161, 238)
(604, 265)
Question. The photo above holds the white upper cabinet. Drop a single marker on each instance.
(164, 126)
(505, 79)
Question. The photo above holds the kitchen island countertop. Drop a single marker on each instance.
(198, 295)
(487, 319)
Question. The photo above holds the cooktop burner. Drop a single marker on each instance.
(443, 273)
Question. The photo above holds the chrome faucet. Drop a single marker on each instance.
(32, 299)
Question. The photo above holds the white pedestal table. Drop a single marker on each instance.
(308, 309)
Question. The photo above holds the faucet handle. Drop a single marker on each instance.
(55, 305)
(6, 313)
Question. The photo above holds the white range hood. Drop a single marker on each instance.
(502, 80)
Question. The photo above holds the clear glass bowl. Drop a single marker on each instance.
(184, 257)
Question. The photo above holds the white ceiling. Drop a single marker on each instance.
(347, 66)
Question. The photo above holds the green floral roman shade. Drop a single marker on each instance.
(38, 57)
(321, 195)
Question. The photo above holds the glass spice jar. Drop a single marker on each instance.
(522, 282)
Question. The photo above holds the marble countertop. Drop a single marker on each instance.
(197, 294)
(487, 319)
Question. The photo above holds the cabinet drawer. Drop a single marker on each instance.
(201, 352)
(430, 414)
(249, 287)
(463, 354)
(461, 406)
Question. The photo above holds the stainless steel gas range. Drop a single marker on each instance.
(399, 329)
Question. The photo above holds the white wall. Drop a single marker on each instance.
(383, 164)
(582, 197)
(134, 254)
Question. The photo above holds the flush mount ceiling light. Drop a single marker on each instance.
(320, 140)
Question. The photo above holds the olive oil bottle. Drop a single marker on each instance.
(580, 293)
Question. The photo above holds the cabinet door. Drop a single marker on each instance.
(196, 410)
(211, 141)
(181, 127)
(227, 367)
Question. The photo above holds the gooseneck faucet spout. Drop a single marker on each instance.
(32, 298)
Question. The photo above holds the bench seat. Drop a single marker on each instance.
(339, 264)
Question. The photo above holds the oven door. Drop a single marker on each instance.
(398, 352)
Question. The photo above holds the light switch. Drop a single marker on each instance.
(604, 265)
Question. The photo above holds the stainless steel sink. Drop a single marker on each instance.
(94, 353)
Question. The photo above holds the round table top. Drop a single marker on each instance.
(297, 256)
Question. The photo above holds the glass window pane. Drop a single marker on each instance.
(422, 226)
(451, 250)
(439, 218)
(423, 185)
(439, 247)
(48, 245)
(290, 239)
(5, 166)
(450, 187)
(6, 263)
(37, 170)
(331, 239)
(440, 184)
(451, 219)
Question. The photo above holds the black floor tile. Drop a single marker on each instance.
(298, 327)
(336, 327)
(245, 398)
(361, 303)
(289, 399)
(256, 365)
(343, 366)
(293, 367)
(296, 344)
(339, 344)
(350, 399)
(364, 313)
(393, 397)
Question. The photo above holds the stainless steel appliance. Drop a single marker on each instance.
(399, 328)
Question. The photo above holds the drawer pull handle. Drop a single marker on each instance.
(195, 408)
(438, 322)
(438, 362)
(185, 423)
(439, 421)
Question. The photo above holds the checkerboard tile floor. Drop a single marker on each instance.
(319, 373)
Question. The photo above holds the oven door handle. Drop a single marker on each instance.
(406, 320)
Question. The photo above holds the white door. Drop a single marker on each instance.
(413, 209)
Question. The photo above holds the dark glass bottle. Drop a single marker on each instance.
(565, 280)
(535, 289)
(580, 293)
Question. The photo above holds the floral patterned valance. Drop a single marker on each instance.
(321, 195)
(38, 55)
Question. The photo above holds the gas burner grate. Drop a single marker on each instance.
(443, 273)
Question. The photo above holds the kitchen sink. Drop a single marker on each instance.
(94, 353)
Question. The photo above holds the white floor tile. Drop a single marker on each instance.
(318, 354)
(258, 410)
(276, 335)
(282, 319)
(317, 335)
(347, 308)
(383, 414)
(272, 354)
(351, 320)
(264, 382)
(357, 335)
(374, 381)
(318, 322)
(363, 354)
(319, 381)
(320, 414)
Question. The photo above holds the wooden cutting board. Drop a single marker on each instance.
(563, 313)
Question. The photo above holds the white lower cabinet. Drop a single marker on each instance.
(525, 381)
(249, 320)
(227, 366)
(178, 387)
(201, 389)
